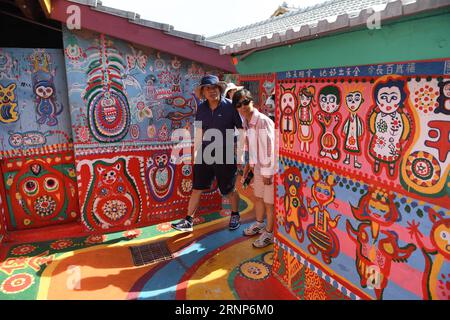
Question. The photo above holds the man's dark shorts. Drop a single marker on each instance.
(225, 173)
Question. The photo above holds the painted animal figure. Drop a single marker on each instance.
(376, 246)
(294, 207)
(374, 256)
(160, 176)
(112, 199)
(8, 104)
(177, 117)
(436, 276)
(43, 193)
(46, 106)
(389, 124)
(320, 233)
(329, 120)
(288, 109)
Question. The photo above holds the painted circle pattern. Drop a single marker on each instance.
(17, 283)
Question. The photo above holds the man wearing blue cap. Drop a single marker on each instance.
(216, 114)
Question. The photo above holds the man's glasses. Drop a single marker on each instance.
(243, 103)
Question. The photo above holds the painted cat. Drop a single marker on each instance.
(8, 104)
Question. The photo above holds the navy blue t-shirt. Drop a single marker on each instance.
(224, 117)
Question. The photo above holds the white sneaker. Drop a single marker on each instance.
(264, 240)
(255, 228)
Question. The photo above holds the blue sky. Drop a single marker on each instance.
(205, 17)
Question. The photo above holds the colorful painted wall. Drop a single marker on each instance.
(417, 37)
(37, 184)
(126, 101)
(362, 196)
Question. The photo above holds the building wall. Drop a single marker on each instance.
(363, 187)
(362, 202)
(38, 185)
(416, 38)
(126, 101)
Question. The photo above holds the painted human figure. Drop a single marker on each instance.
(353, 128)
(288, 126)
(329, 119)
(389, 124)
(436, 280)
(321, 233)
(305, 117)
(444, 98)
(376, 245)
(293, 203)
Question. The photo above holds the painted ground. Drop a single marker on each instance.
(210, 263)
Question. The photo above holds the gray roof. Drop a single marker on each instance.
(316, 20)
(136, 18)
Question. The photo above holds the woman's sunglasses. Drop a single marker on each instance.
(243, 103)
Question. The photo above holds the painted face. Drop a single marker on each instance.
(7, 94)
(378, 211)
(44, 92)
(109, 175)
(441, 237)
(447, 90)
(15, 140)
(287, 102)
(161, 160)
(323, 193)
(293, 181)
(388, 99)
(354, 101)
(328, 103)
(304, 100)
(43, 195)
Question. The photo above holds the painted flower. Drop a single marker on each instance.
(132, 234)
(83, 134)
(382, 126)
(352, 141)
(164, 227)
(95, 239)
(17, 283)
(61, 244)
(23, 250)
(254, 270)
(165, 77)
(115, 209)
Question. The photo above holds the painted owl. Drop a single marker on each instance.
(160, 176)
(112, 199)
(43, 194)
(46, 106)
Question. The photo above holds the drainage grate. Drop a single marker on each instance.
(150, 253)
